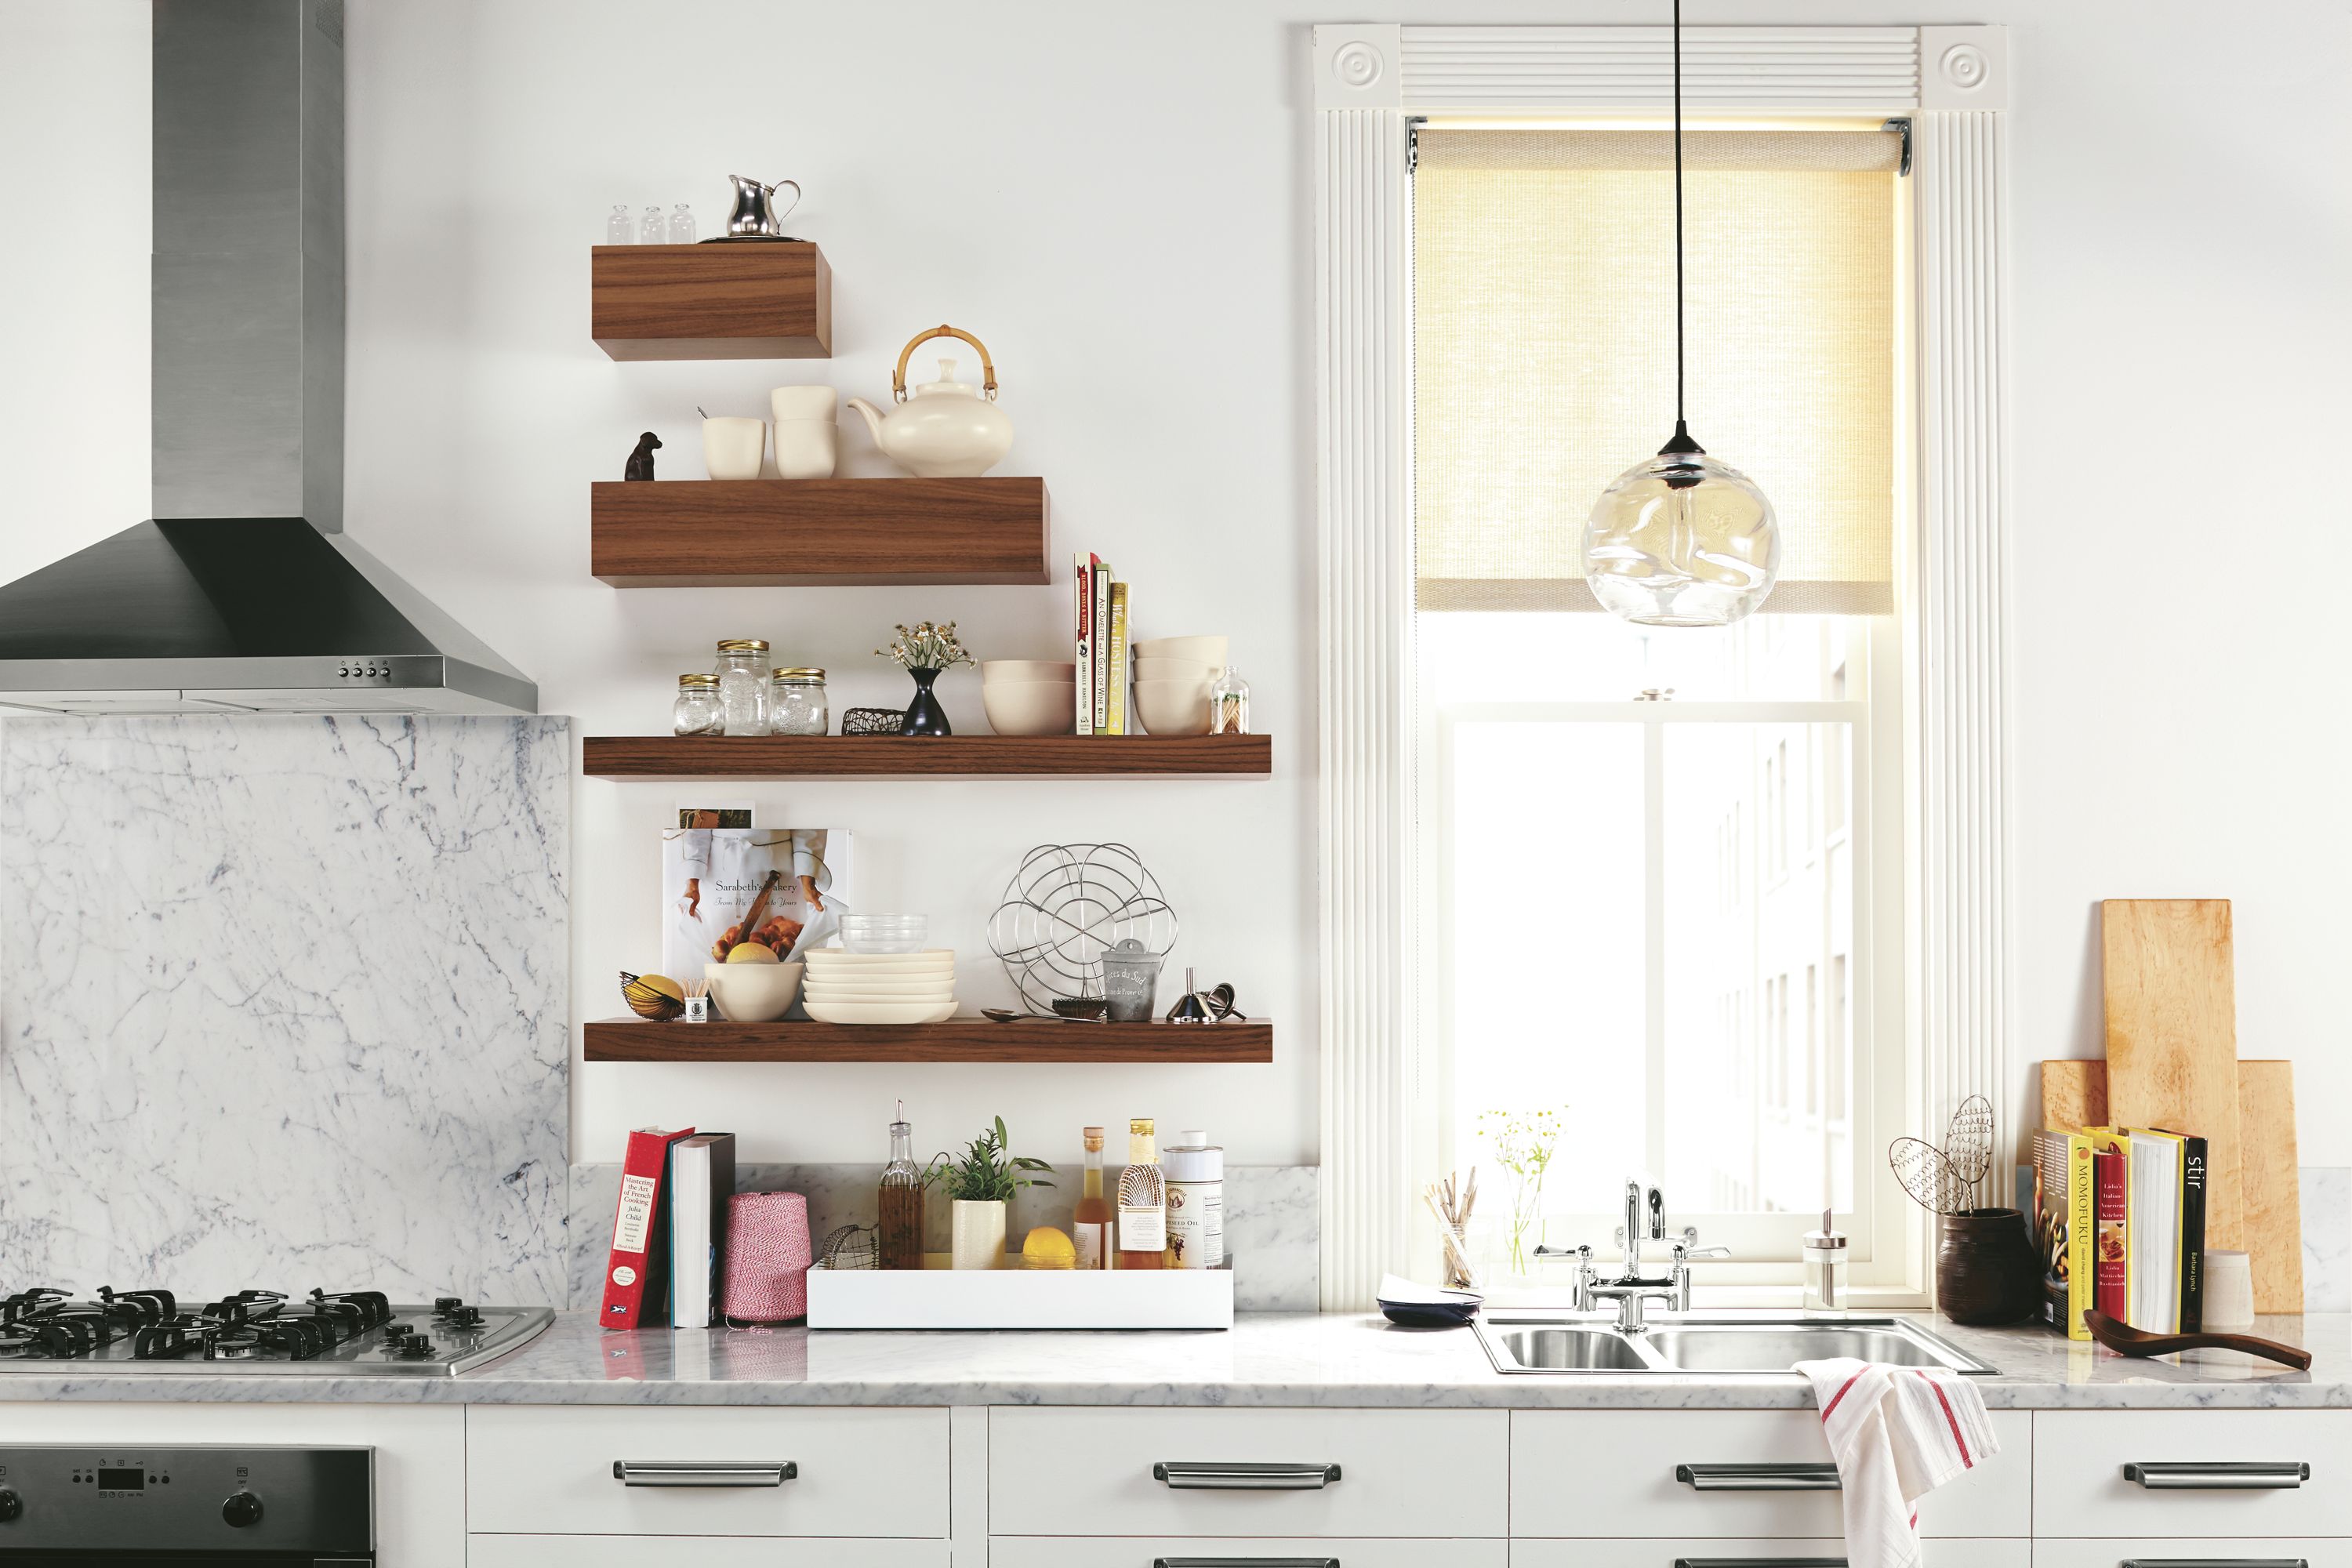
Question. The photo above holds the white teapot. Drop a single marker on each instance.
(949, 429)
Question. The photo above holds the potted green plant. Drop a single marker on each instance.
(979, 1182)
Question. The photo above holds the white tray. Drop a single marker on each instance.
(1017, 1297)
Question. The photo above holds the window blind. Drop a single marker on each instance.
(1544, 349)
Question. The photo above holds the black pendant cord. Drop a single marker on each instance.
(1682, 442)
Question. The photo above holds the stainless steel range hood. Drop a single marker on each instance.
(241, 592)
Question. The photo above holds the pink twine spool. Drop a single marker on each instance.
(768, 1258)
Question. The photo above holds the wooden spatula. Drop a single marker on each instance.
(2124, 1340)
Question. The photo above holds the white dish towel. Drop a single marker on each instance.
(1897, 1433)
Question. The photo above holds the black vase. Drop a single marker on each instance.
(924, 714)
(1988, 1269)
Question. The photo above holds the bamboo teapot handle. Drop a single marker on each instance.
(987, 366)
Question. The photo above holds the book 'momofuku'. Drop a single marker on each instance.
(2065, 1225)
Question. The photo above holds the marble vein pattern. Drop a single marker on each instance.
(2326, 1197)
(1276, 1360)
(1270, 1222)
(285, 1003)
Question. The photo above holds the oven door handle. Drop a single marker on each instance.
(2226, 1476)
(705, 1472)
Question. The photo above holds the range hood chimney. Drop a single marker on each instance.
(241, 594)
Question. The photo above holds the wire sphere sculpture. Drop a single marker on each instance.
(1064, 908)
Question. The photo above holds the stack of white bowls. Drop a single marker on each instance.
(1172, 677)
(846, 987)
(1029, 696)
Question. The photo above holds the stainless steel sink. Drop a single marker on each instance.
(1560, 1342)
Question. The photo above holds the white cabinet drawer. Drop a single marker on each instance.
(547, 1470)
(1577, 1472)
(1752, 1552)
(2080, 1487)
(700, 1552)
(1127, 1552)
(2260, 1551)
(1401, 1472)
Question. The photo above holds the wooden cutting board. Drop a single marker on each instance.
(2172, 1037)
(2074, 1094)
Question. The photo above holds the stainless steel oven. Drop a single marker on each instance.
(128, 1505)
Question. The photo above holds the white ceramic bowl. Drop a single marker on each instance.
(1176, 669)
(753, 993)
(881, 1012)
(932, 994)
(1030, 707)
(1172, 706)
(1027, 669)
(825, 962)
(1201, 650)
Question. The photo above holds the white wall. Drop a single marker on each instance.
(1117, 199)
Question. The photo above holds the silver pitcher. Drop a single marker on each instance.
(755, 215)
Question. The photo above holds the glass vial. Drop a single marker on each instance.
(618, 229)
(796, 704)
(1090, 1221)
(697, 712)
(1142, 1201)
(902, 1200)
(1825, 1261)
(1229, 704)
(681, 225)
(743, 677)
(654, 229)
(1196, 1203)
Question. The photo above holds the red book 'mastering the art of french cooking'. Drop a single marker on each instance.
(640, 1248)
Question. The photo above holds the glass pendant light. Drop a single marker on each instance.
(1680, 539)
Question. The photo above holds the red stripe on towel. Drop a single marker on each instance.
(1832, 1404)
(1950, 1420)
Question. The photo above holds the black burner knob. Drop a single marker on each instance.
(414, 1345)
(241, 1510)
(12, 1508)
(465, 1317)
(393, 1332)
(444, 1305)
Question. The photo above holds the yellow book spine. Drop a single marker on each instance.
(2082, 1226)
(1118, 676)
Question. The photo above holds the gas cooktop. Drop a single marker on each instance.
(344, 1333)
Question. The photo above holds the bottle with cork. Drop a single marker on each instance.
(1142, 1201)
(1091, 1222)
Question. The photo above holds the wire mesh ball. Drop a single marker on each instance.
(1064, 906)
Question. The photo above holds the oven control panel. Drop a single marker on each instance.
(233, 1499)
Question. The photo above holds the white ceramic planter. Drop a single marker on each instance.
(978, 1240)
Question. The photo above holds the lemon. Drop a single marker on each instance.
(752, 952)
(664, 985)
(1046, 1247)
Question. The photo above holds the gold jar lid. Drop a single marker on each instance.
(742, 644)
(697, 683)
(800, 672)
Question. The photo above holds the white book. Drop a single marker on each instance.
(701, 1180)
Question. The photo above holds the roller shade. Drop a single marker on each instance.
(1544, 349)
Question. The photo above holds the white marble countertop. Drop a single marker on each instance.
(1267, 1359)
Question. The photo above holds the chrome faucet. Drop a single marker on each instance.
(1644, 1221)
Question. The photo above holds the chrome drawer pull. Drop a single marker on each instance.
(1804, 1477)
(2215, 1563)
(2231, 1476)
(704, 1472)
(1245, 1563)
(1193, 1475)
(1759, 1562)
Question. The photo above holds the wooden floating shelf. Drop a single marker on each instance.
(730, 301)
(770, 533)
(957, 1040)
(915, 756)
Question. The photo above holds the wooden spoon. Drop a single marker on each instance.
(2124, 1340)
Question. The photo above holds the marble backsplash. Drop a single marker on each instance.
(1270, 1222)
(285, 1001)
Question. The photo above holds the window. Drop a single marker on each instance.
(1661, 856)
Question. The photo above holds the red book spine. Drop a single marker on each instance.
(637, 1240)
(2111, 1269)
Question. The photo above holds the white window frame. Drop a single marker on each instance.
(1370, 82)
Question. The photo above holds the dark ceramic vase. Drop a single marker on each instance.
(1987, 1269)
(924, 714)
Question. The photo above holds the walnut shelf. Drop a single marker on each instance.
(909, 756)
(957, 1040)
(727, 300)
(768, 533)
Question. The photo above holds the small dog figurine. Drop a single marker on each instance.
(641, 461)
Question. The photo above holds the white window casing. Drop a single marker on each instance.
(1369, 83)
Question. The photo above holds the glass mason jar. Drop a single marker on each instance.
(695, 711)
(796, 704)
(743, 685)
(1229, 704)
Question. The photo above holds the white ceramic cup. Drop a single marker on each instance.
(808, 435)
(2229, 1291)
(731, 446)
